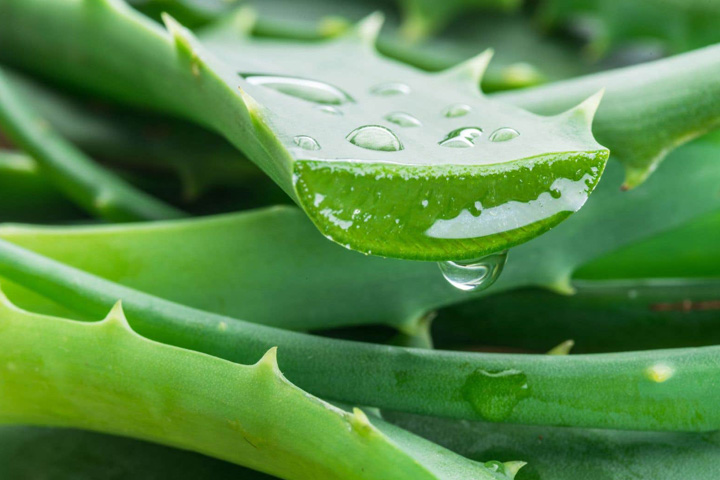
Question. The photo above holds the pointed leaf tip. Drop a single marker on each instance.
(116, 316)
(471, 70)
(563, 348)
(360, 422)
(587, 108)
(368, 29)
(269, 359)
(513, 467)
(180, 34)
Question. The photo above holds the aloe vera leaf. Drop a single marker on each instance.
(26, 195)
(262, 122)
(674, 26)
(421, 381)
(690, 251)
(91, 187)
(570, 453)
(142, 142)
(601, 316)
(647, 110)
(249, 415)
(30, 453)
(242, 265)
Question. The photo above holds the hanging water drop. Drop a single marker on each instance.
(457, 110)
(464, 137)
(310, 90)
(390, 88)
(306, 143)
(474, 274)
(403, 119)
(504, 134)
(375, 137)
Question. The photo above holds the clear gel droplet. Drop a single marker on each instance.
(494, 395)
(504, 134)
(310, 90)
(375, 137)
(329, 110)
(403, 119)
(461, 138)
(457, 110)
(306, 143)
(474, 274)
(390, 88)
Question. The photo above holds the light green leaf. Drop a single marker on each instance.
(103, 376)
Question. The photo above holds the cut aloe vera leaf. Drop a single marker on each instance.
(90, 186)
(368, 182)
(648, 110)
(246, 414)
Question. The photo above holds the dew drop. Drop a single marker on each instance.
(306, 143)
(494, 395)
(375, 137)
(457, 110)
(310, 90)
(464, 137)
(390, 88)
(403, 119)
(504, 134)
(474, 274)
(329, 110)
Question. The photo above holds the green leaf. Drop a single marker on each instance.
(601, 316)
(103, 376)
(350, 172)
(29, 453)
(90, 186)
(648, 109)
(561, 453)
(27, 196)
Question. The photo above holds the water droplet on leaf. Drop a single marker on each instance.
(306, 143)
(504, 134)
(390, 88)
(457, 110)
(375, 137)
(494, 395)
(330, 110)
(474, 274)
(403, 119)
(310, 90)
(464, 137)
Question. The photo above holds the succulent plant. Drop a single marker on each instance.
(149, 166)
